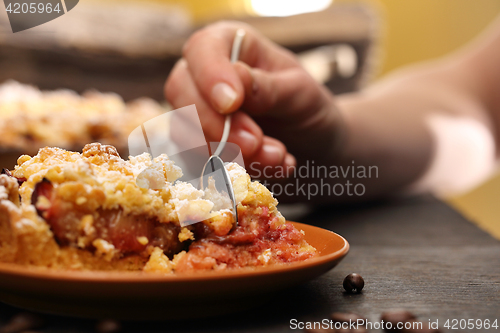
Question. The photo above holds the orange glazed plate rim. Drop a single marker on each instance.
(321, 239)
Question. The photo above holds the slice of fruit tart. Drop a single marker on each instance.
(31, 118)
(89, 211)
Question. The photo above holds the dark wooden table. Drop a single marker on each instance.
(418, 254)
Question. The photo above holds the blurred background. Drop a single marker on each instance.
(128, 47)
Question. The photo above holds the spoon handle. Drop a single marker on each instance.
(235, 52)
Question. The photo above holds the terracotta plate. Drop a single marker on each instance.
(130, 295)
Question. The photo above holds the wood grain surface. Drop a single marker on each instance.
(417, 254)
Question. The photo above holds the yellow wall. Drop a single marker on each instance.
(416, 30)
(204, 10)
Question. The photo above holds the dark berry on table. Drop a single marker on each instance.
(353, 283)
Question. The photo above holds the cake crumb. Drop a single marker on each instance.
(185, 234)
(42, 203)
(265, 256)
(143, 240)
(87, 225)
(22, 159)
(81, 200)
(104, 249)
(158, 262)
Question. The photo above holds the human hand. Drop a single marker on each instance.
(276, 103)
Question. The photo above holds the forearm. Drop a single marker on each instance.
(425, 128)
(480, 62)
(433, 127)
(418, 127)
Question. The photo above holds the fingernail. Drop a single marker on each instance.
(223, 96)
(275, 152)
(248, 140)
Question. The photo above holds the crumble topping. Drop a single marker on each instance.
(100, 178)
(104, 248)
(95, 210)
(185, 234)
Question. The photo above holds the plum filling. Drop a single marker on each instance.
(253, 228)
(76, 225)
(260, 238)
(255, 235)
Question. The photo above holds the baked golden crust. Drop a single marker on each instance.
(100, 178)
(26, 239)
(93, 211)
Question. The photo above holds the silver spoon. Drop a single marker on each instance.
(215, 163)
